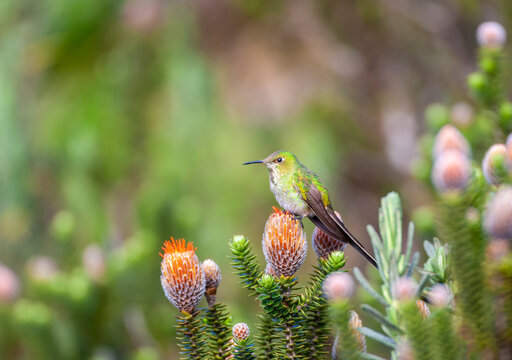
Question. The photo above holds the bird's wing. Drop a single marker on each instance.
(327, 220)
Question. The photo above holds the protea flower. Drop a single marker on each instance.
(338, 286)
(451, 171)
(355, 323)
(284, 243)
(423, 308)
(491, 34)
(450, 138)
(498, 215)
(212, 275)
(241, 331)
(495, 154)
(182, 276)
(323, 244)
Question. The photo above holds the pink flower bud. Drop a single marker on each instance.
(488, 164)
(9, 284)
(491, 34)
(509, 150)
(404, 289)
(440, 295)
(241, 331)
(497, 249)
(212, 275)
(451, 171)
(323, 244)
(450, 138)
(93, 259)
(339, 286)
(498, 214)
(462, 114)
(42, 268)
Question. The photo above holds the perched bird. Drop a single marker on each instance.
(301, 192)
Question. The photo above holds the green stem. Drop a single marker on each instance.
(190, 336)
(219, 333)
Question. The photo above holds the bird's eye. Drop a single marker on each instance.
(279, 159)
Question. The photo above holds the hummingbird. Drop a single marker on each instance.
(300, 191)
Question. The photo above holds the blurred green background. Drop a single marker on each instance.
(125, 122)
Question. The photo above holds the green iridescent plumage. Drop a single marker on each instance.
(301, 192)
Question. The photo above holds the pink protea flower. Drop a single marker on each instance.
(404, 289)
(491, 34)
(212, 275)
(338, 286)
(488, 164)
(182, 278)
(498, 215)
(462, 114)
(440, 295)
(450, 138)
(323, 244)
(9, 284)
(284, 243)
(241, 331)
(451, 171)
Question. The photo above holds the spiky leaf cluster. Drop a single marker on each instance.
(190, 335)
(243, 350)
(244, 262)
(218, 331)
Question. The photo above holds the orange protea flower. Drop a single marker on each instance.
(324, 245)
(355, 323)
(423, 308)
(284, 243)
(182, 277)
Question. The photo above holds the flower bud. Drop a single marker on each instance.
(338, 286)
(241, 331)
(440, 295)
(182, 278)
(212, 279)
(494, 163)
(9, 284)
(355, 323)
(509, 150)
(498, 214)
(323, 244)
(41, 268)
(423, 308)
(93, 259)
(450, 138)
(497, 249)
(451, 171)
(462, 114)
(284, 243)
(404, 289)
(491, 34)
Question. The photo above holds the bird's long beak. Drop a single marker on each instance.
(253, 162)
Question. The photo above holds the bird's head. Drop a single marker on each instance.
(279, 162)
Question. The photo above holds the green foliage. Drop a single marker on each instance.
(244, 262)
(191, 336)
(219, 331)
(243, 350)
